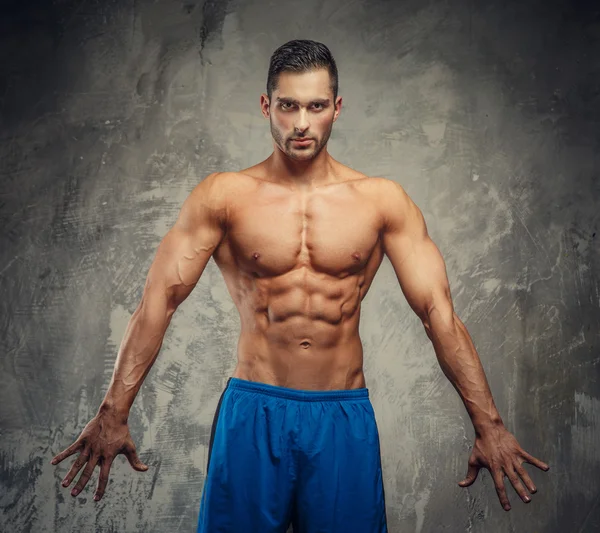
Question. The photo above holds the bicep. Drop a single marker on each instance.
(417, 261)
(185, 250)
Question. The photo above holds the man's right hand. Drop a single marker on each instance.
(102, 439)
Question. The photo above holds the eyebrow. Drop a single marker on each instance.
(322, 101)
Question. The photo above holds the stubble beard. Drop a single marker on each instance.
(285, 145)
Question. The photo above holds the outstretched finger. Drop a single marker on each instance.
(77, 465)
(525, 477)
(535, 462)
(105, 465)
(472, 472)
(134, 460)
(516, 483)
(498, 477)
(85, 477)
(66, 453)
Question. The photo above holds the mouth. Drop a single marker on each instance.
(302, 142)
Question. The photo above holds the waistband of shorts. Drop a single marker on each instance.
(297, 394)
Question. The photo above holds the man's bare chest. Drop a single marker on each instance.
(333, 231)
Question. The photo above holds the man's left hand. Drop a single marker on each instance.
(499, 452)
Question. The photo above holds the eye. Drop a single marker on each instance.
(320, 106)
(286, 105)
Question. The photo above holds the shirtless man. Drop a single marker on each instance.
(298, 238)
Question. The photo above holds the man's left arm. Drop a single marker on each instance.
(421, 271)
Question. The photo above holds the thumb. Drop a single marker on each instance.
(471, 476)
(135, 461)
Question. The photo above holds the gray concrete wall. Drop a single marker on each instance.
(487, 112)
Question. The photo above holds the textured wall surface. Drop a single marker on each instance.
(488, 113)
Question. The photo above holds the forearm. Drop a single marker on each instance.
(140, 346)
(460, 363)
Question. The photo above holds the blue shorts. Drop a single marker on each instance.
(279, 456)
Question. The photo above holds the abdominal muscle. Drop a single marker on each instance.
(302, 342)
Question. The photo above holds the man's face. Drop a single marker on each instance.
(302, 106)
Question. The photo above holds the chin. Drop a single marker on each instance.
(302, 156)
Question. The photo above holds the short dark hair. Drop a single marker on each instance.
(301, 55)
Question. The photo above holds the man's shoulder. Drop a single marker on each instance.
(211, 197)
(219, 186)
(222, 179)
(392, 202)
(386, 185)
(384, 191)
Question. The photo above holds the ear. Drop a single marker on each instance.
(265, 105)
(338, 108)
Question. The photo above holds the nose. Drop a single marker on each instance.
(302, 123)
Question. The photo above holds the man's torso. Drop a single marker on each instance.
(297, 262)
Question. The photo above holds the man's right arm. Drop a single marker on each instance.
(179, 262)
